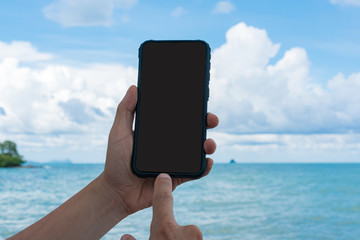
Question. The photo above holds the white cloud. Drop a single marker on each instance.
(85, 12)
(276, 107)
(58, 106)
(177, 12)
(60, 99)
(252, 95)
(291, 142)
(22, 51)
(270, 112)
(286, 147)
(224, 7)
(346, 2)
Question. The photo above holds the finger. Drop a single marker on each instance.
(127, 237)
(209, 165)
(212, 120)
(191, 232)
(209, 146)
(125, 110)
(162, 199)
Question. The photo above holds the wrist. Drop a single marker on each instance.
(115, 197)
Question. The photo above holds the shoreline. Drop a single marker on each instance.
(26, 166)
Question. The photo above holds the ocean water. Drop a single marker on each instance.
(236, 201)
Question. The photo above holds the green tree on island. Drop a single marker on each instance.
(9, 156)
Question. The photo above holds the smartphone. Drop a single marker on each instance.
(170, 119)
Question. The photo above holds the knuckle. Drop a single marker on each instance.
(164, 230)
(168, 225)
(164, 196)
(194, 232)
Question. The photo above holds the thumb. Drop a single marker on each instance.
(125, 110)
(127, 237)
(163, 200)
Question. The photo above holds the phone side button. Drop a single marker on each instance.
(208, 93)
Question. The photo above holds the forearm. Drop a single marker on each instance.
(87, 215)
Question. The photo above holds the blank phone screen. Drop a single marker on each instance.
(171, 113)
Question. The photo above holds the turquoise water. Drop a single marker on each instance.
(236, 201)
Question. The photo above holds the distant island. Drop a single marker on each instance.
(9, 156)
(232, 161)
(60, 161)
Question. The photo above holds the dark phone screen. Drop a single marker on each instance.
(171, 111)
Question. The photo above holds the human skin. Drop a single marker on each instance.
(115, 194)
(164, 225)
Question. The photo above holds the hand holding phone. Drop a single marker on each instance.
(136, 193)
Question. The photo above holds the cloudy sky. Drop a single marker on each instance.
(285, 77)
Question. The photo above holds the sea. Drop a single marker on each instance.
(235, 201)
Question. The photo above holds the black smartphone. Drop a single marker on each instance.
(170, 122)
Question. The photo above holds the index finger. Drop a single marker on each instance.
(163, 199)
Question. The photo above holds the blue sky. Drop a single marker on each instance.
(329, 32)
(285, 75)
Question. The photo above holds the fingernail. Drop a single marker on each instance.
(164, 175)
